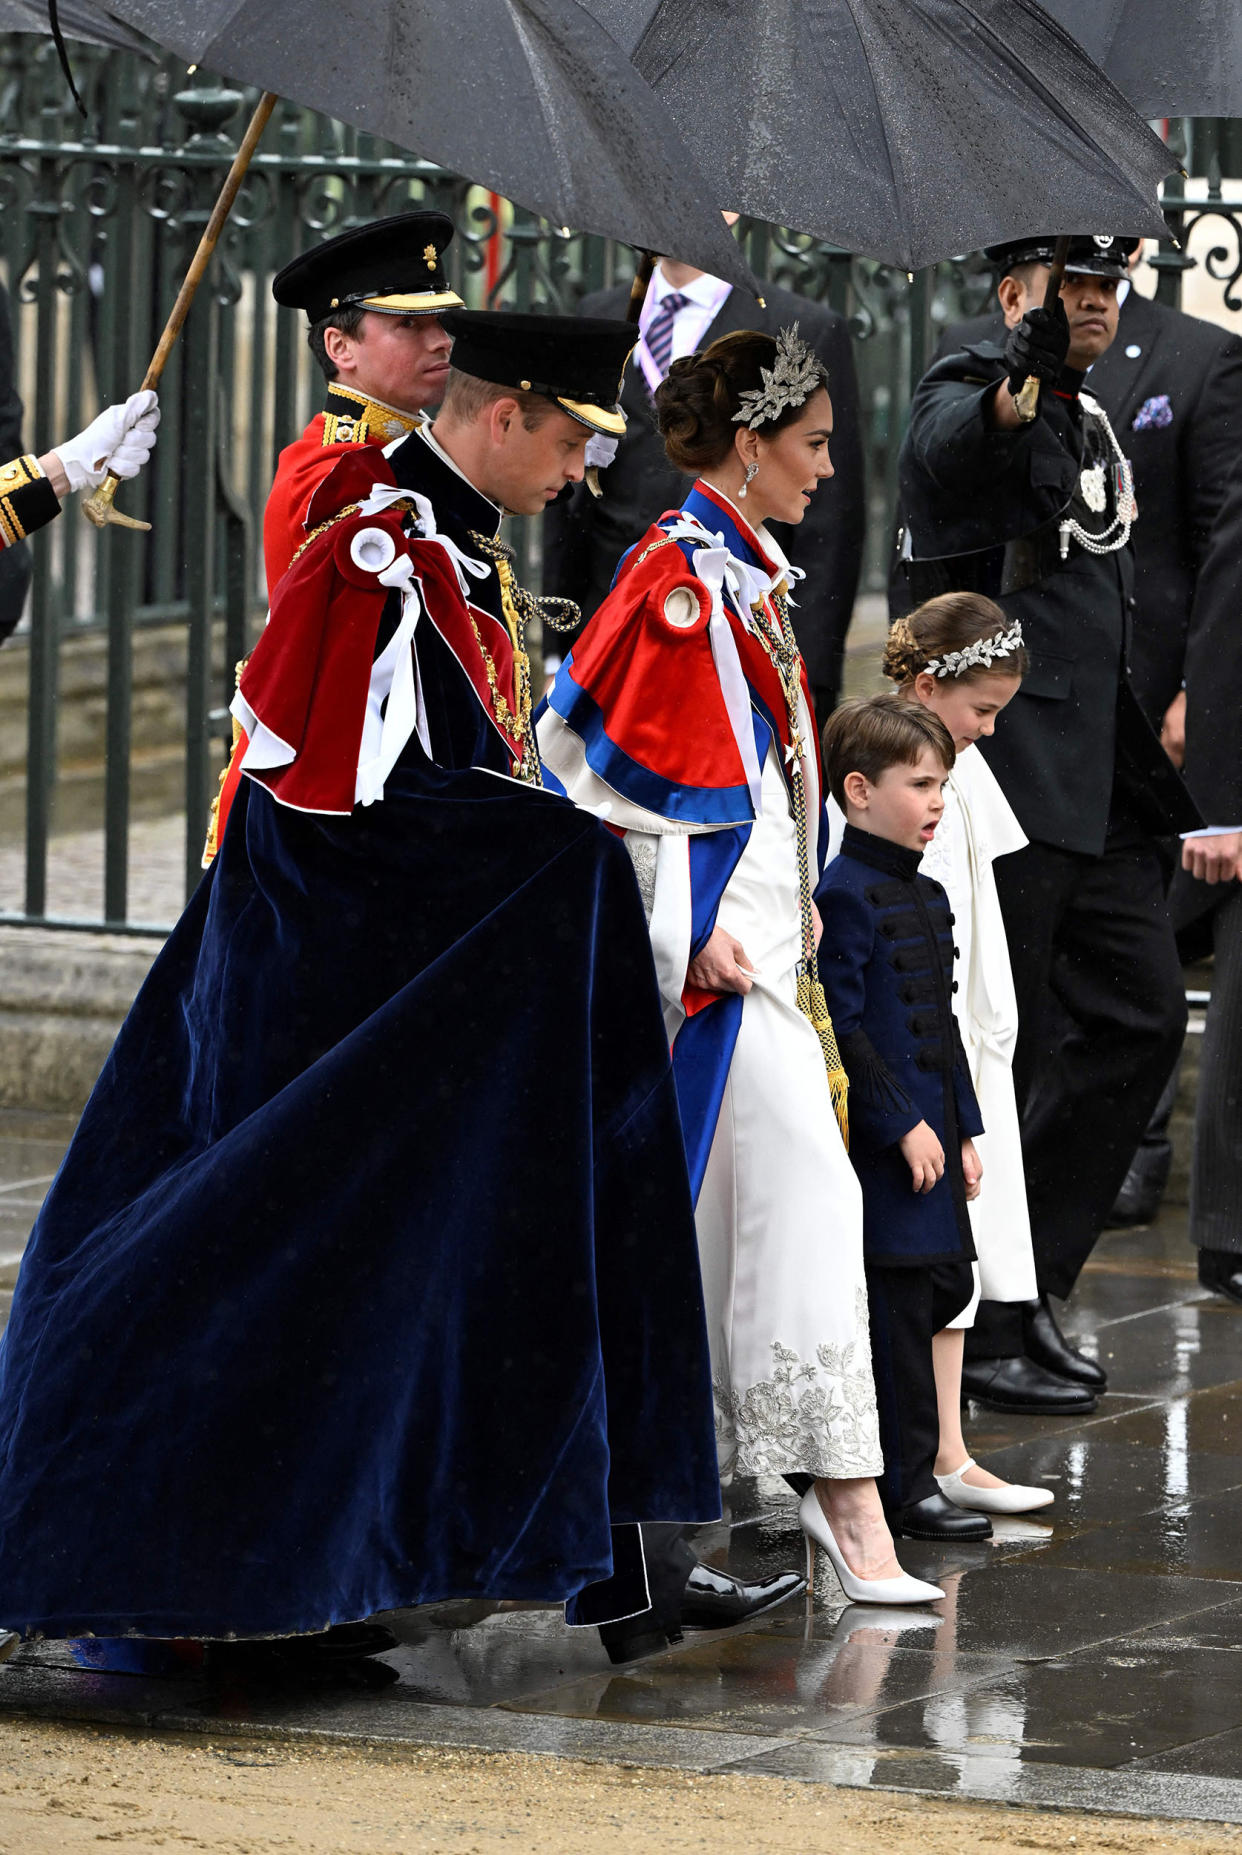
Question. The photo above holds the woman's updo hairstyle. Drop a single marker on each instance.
(697, 403)
(941, 628)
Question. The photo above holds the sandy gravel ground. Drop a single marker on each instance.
(67, 1790)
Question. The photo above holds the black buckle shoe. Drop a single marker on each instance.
(1221, 1271)
(714, 1600)
(1021, 1386)
(1043, 1341)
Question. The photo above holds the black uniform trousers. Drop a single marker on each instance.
(1101, 1016)
(910, 1304)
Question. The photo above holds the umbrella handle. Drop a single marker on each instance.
(98, 507)
(1026, 401)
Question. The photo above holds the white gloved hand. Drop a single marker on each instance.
(119, 440)
(600, 451)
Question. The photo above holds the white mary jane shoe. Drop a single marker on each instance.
(1011, 1499)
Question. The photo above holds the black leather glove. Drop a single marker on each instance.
(1037, 345)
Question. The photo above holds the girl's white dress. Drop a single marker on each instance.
(977, 827)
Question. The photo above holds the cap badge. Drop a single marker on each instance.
(1102, 239)
(429, 255)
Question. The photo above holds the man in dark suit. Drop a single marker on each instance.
(584, 537)
(15, 560)
(1172, 387)
(1038, 514)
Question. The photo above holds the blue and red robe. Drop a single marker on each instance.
(662, 724)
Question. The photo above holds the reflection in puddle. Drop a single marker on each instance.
(1176, 1449)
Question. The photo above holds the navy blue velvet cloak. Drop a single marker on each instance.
(369, 1278)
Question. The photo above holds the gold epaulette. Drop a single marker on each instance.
(353, 418)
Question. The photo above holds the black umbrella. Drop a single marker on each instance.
(905, 129)
(78, 20)
(1170, 57)
(529, 97)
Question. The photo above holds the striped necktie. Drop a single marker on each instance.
(659, 336)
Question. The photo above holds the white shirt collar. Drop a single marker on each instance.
(707, 291)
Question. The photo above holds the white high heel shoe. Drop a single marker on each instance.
(1011, 1499)
(904, 1590)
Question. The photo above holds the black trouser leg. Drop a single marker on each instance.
(908, 1306)
(1102, 1015)
(1216, 1175)
(996, 1333)
(1148, 1172)
(650, 1568)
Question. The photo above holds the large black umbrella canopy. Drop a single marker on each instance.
(529, 97)
(904, 129)
(1169, 57)
(79, 20)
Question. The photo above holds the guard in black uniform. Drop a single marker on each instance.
(1171, 385)
(1038, 515)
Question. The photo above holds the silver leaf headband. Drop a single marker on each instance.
(982, 654)
(794, 376)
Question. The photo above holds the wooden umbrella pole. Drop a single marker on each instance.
(1027, 401)
(99, 507)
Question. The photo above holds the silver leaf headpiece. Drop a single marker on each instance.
(982, 654)
(790, 381)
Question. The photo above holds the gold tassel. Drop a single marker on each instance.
(212, 844)
(813, 1005)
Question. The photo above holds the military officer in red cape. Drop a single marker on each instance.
(373, 298)
(303, 1333)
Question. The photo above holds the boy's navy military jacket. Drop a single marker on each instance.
(886, 965)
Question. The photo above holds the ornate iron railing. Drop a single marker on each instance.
(97, 223)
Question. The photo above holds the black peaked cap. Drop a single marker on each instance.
(394, 265)
(1102, 254)
(577, 361)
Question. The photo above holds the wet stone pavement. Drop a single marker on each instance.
(1088, 1659)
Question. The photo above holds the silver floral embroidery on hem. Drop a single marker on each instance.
(817, 1417)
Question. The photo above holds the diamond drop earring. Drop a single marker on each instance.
(752, 471)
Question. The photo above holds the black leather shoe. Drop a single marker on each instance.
(632, 1645)
(1043, 1341)
(335, 1657)
(1022, 1386)
(937, 1517)
(670, 1562)
(1221, 1271)
(716, 1599)
(1137, 1203)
